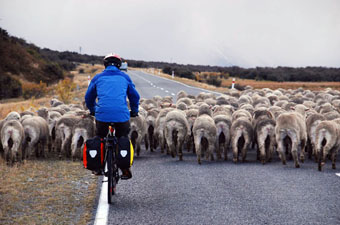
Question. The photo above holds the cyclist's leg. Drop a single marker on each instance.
(122, 129)
(101, 128)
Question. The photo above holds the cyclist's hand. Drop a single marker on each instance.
(133, 114)
(91, 113)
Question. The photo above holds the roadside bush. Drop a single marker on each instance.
(30, 90)
(64, 90)
(9, 87)
(213, 80)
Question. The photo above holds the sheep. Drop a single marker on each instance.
(12, 137)
(241, 137)
(43, 112)
(64, 134)
(181, 106)
(223, 124)
(10, 116)
(53, 117)
(176, 128)
(181, 94)
(327, 141)
(150, 129)
(312, 122)
(149, 104)
(290, 133)
(191, 115)
(160, 128)
(265, 138)
(137, 132)
(241, 113)
(36, 136)
(204, 131)
(185, 100)
(81, 131)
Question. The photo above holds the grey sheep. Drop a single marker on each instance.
(241, 137)
(36, 136)
(223, 124)
(176, 129)
(12, 137)
(327, 141)
(137, 132)
(204, 131)
(265, 138)
(82, 130)
(290, 133)
(160, 120)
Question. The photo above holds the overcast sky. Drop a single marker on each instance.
(245, 33)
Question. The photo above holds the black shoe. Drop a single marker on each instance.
(126, 174)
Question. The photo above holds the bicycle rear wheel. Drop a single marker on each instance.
(110, 176)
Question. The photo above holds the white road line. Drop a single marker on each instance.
(338, 174)
(103, 207)
(162, 89)
(166, 91)
(218, 93)
(173, 94)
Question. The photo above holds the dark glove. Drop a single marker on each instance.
(133, 114)
(92, 113)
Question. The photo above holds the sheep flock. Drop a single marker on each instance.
(292, 124)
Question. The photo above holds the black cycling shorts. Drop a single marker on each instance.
(122, 129)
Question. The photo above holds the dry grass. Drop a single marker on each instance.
(47, 191)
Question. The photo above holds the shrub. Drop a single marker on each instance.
(213, 80)
(9, 87)
(64, 90)
(30, 90)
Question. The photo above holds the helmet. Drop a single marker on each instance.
(112, 59)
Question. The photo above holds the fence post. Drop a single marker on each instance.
(173, 74)
(233, 84)
(88, 80)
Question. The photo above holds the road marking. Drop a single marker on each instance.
(162, 89)
(103, 206)
(338, 174)
(166, 91)
(173, 94)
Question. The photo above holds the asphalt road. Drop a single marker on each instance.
(164, 190)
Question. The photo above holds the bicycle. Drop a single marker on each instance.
(111, 168)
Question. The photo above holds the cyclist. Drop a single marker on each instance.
(111, 87)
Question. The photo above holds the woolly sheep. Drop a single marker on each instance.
(36, 136)
(176, 128)
(12, 137)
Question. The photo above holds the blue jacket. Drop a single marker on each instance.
(111, 88)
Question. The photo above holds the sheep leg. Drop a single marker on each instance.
(197, 141)
(295, 154)
(320, 156)
(180, 153)
(334, 155)
(146, 142)
(281, 151)
(302, 154)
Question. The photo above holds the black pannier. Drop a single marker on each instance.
(125, 153)
(94, 153)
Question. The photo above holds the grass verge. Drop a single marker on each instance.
(46, 191)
